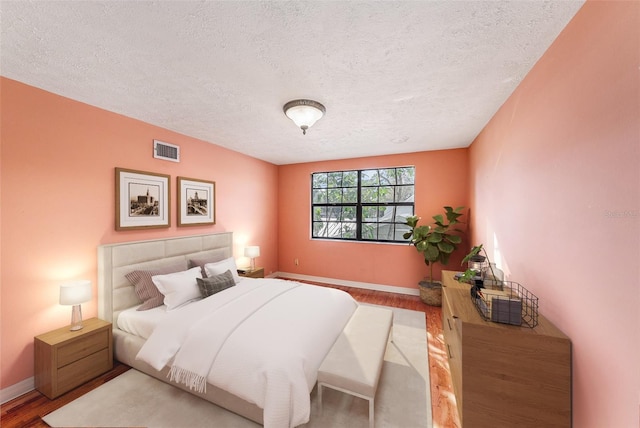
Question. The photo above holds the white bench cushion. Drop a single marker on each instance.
(355, 361)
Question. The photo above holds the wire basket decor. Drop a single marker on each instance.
(510, 303)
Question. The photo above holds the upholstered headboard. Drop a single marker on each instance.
(115, 292)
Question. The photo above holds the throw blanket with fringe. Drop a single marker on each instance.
(263, 340)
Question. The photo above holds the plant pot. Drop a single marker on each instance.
(431, 293)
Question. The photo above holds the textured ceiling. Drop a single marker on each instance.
(395, 76)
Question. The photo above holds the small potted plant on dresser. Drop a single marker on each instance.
(435, 243)
(478, 272)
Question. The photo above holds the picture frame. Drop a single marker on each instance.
(142, 200)
(196, 202)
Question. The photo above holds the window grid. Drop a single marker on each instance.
(362, 205)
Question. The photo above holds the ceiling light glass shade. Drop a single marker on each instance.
(304, 113)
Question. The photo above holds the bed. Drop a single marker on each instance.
(270, 386)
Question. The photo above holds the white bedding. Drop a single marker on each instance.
(265, 340)
(141, 323)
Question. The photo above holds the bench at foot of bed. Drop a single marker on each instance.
(354, 363)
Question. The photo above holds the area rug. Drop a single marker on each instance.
(134, 399)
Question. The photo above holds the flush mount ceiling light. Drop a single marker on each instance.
(304, 113)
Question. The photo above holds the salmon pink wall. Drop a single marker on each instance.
(441, 179)
(555, 185)
(58, 160)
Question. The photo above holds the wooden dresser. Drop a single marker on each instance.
(65, 359)
(504, 375)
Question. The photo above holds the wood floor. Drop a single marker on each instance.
(27, 410)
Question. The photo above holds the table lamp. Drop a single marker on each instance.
(76, 293)
(252, 252)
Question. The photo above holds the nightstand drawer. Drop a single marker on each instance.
(80, 371)
(82, 347)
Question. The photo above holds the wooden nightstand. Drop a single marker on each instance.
(65, 359)
(256, 273)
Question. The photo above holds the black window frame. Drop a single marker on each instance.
(347, 217)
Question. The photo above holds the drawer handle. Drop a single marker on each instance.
(449, 351)
(449, 322)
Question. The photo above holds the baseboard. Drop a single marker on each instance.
(355, 284)
(16, 390)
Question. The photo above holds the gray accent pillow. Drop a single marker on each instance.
(215, 284)
(144, 287)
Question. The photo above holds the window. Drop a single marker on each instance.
(363, 205)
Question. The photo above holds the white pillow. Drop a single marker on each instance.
(179, 288)
(212, 269)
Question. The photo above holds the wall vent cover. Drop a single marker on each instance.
(166, 151)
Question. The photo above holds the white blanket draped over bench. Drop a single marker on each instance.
(262, 340)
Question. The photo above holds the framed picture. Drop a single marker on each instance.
(142, 200)
(196, 202)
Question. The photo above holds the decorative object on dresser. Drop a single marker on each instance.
(252, 252)
(480, 269)
(435, 243)
(495, 299)
(66, 359)
(196, 202)
(510, 304)
(142, 200)
(504, 375)
(252, 273)
(74, 294)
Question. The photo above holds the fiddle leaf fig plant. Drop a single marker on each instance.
(437, 241)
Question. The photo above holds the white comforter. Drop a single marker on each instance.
(262, 340)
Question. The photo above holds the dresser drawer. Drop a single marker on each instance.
(85, 369)
(452, 332)
(451, 325)
(82, 347)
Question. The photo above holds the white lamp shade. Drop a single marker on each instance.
(75, 293)
(304, 115)
(253, 251)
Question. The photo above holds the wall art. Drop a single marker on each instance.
(196, 202)
(142, 200)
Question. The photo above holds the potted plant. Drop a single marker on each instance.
(473, 274)
(436, 243)
(474, 260)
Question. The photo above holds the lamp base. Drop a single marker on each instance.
(76, 318)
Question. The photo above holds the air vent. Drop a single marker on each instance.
(166, 151)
